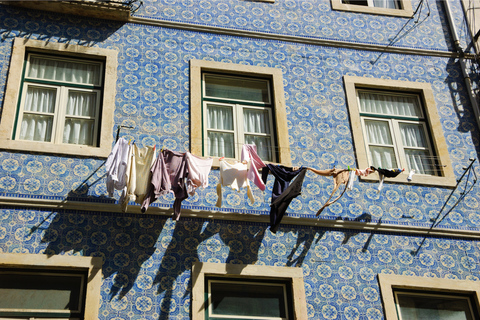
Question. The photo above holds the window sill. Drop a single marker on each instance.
(407, 12)
(45, 147)
(417, 179)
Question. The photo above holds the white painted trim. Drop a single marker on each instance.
(406, 11)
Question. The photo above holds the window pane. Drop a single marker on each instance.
(413, 135)
(68, 71)
(236, 88)
(36, 128)
(81, 103)
(219, 117)
(256, 121)
(78, 131)
(40, 291)
(420, 160)
(416, 307)
(378, 132)
(390, 4)
(373, 102)
(40, 99)
(264, 146)
(383, 157)
(247, 300)
(221, 144)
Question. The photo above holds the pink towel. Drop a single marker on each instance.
(249, 154)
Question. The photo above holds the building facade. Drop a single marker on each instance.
(321, 84)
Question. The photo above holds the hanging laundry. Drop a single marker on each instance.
(340, 176)
(144, 159)
(235, 177)
(160, 183)
(389, 173)
(280, 205)
(351, 179)
(116, 166)
(364, 173)
(198, 170)
(410, 175)
(128, 193)
(249, 154)
(176, 164)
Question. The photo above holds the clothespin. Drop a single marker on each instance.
(348, 168)
(221, 158)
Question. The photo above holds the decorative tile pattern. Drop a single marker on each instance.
(147, 259)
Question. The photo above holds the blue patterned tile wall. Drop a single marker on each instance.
(147, 259)
(153, 94)
(316, 19)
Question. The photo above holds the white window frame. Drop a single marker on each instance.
(10, 112)
(202, 270)
(92, 266)
(246, 282)
(274, 75)
(424, 91)
(389, 283)
(404, 11)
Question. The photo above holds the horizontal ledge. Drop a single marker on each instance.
(361, 226)
(294, 39)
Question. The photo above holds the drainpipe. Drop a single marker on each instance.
(461, 59)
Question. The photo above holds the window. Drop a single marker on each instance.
(59, 99)
(57, 287)
(415, 298)
(237, 110)
(421, 305)
(396, 124)
(235, 291)
(395, 130)
(400, 8)
(51, 294)
(235, 104)
(240, 298)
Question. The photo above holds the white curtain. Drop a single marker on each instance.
(80, 131)
(257, 121)
(378, 132)
(70, 71)
(220, 144)
(372, 102)
(390, 4)
(35, 126)
(413, 135)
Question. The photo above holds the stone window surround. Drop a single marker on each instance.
(406, 10)
(280, 115)
(201, 270)
(389, 282)
(426, 94)
(8, 117)
(93, 266)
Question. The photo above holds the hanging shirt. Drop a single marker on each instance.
(116, 166)
(283, 176)
(176, 164)
(281, 203)
(159, 184)
(340, 176)
(389, 173)
(198, 170)
(144, 159)
(235, 177)
(128, 193)
(249, 154)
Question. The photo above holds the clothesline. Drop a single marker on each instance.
(143, 177)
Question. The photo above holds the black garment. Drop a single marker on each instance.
(283, 176)
(389, 173)
(280, 205)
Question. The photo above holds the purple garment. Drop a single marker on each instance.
(160, 183)
(283, 176)
(176, 164)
